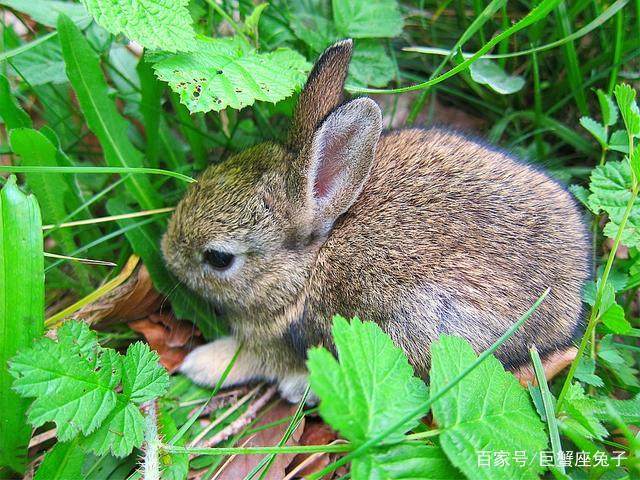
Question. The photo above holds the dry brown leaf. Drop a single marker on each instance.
(241, 465)
(133, 300)
(171, 338)
(316, 432)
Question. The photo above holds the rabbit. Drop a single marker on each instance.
(423, 231)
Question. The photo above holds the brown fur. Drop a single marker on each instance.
(435, 233)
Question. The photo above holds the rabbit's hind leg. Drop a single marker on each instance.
(292, 388)
(206, 364)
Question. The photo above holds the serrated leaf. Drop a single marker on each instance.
(586, 373)
(410, 461)
(596, 129)
(156, 24)
(142, 380)
(608, 108)
(614, 319)
(67, 390)
(581, 193)
(629, 410)
(618, 361)
(619, 141)
(75, 383)
(225, 72)
(367, 19)
(360, 402)
(611, 189)
(634, 161)
(582, 413)
(487, 411)
(626, 98)
(370, 65)
(13, 116)
(488, 72)
(120, 433)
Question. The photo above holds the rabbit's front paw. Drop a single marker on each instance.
(206, 364)
(292, 388)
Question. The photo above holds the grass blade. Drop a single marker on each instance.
(571, 57)
(86, 170)
(547, 402)
(12, 114)
(21, 311)
(83, 70)
(535, 15)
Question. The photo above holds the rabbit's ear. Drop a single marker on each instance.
(321, 94)
(339, 160)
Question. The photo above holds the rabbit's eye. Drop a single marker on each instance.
(217, 259)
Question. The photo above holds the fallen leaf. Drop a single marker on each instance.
(171, 338)
(133, 300)
(316, 432)
(240, 465)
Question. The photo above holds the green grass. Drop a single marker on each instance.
(108, 150)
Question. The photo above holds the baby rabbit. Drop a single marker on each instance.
(422, 231)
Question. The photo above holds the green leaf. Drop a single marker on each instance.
(608, 108)
(366, 19)
(614, 319)
(162, 25)
(370, 64)
(611, 184)
(586, 372)
(21, 310)
(634, 161)
(42, 64)
(142, 380)
(626, 98)
(488, 72)
(619, 141)
(405, 461)
(75, 384)
(487, 411)
(12, 115)
(596, 129)
(47, 12)
(120, 433)
(310, 21)
(226, 72)
(581, 193)
(63, 462)
(66, 387)
(83, 69)
(175, 465)
(581, 411)
(629, 410)
(51, 190)
(361, 402)
(252, 20)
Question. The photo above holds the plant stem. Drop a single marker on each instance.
(220, 11)
(337, 448)
(594, 317)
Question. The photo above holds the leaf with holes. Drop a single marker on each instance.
(487, 411)
(155, 24)
(226, 72)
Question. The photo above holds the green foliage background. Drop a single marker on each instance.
(85, 112)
